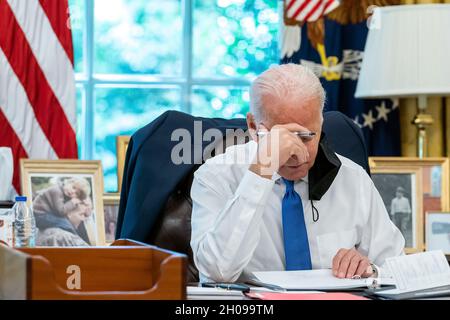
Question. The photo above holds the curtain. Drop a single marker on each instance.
(438, 107)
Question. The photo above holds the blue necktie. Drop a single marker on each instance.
(296, 245)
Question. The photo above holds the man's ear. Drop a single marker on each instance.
(252, 128)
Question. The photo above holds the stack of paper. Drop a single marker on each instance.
(314, 280)
(417, 275)
(200, 293)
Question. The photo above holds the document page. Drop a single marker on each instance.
(312, 280)
(200, 291)
(419, 271)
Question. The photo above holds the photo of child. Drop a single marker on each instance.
(64, 210)
(111, 213)
(111, 203)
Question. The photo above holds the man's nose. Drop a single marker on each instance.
(293, 160)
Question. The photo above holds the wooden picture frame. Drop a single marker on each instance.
(437, 231)
(111, 202)
(67, 199)
(389, 182)
(428, 164)
(435, 179)
(121, 149)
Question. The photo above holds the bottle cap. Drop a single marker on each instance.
(21, 199)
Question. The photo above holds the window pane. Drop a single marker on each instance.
(138, 36)
(78, 22)
(234, 37)
(121, 111)
(220, 102)
(81, 109)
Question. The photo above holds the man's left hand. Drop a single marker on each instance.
(349, 263)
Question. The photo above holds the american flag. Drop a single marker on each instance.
(308, 10)
(37, 84)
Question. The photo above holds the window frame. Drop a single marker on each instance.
(88, 79)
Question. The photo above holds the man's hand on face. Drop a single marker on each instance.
(349, 262)
(277, 147)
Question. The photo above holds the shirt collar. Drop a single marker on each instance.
(277, 178)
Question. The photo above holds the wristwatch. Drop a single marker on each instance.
(375, 271)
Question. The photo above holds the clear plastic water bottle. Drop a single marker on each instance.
(24, 224)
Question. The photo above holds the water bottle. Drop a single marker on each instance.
(24, 224)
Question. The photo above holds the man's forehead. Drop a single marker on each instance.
(305, 118)
(292, 111)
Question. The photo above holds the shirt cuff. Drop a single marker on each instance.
(254, 187)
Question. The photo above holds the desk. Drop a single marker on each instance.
(74, 273)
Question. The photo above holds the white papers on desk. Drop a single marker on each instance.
(418, 272)
(202, 291)
(314, 280)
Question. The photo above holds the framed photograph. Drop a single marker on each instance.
(67, 201)
(401, 191)
(122, 146)
(6, 223)
(111, 203)
(435, 179)
(437, 231)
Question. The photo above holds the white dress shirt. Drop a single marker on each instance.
(400, 205)
(237, 220)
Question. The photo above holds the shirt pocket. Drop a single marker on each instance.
(330, 243)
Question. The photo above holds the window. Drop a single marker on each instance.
(135, 59)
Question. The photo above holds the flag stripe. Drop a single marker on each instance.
(291, 3)
(47, 108)
(20, 115)
(314, 11)
(48, 52)
(59, 18)
(300, 8)
(317, 13)
(9, 138)
(309, 10)
(301, 16)
(327, 6)
(333, 5)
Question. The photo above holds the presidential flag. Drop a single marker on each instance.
(37, 84)
(332, 46)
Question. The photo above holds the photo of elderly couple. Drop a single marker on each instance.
(64, 210)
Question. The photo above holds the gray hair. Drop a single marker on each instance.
(283, 81)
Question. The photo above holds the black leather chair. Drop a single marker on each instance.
(173, 227)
